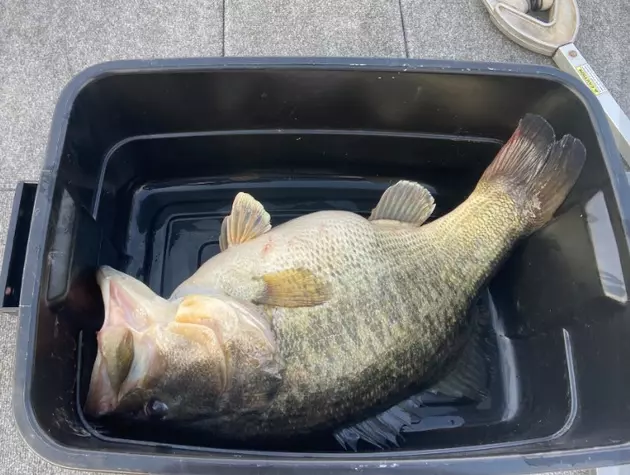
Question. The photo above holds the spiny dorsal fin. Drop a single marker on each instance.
(293, 288)
(407, 202)
(247, 221)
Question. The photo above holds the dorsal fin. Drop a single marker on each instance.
(407, 202)
(248, 220)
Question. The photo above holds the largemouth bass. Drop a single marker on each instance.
(311, 324)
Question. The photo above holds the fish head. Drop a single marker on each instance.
(221, 359)
(214, 356)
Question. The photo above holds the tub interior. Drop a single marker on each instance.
(150, 166)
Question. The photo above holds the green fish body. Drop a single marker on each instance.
(314, 323)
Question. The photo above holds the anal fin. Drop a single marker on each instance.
(433, 408)
(469, 376)
(406, 202)
(247, 221)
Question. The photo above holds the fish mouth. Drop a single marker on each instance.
(114, 377)
(102, 396)
(123, 300)
(126, 348)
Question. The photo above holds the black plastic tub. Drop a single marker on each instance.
(144, 159)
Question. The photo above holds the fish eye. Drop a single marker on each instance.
(155, 408)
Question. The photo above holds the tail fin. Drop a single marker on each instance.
(536, 170)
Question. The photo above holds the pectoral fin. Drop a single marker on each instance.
(406, 202)
(293, 288)
(247, 221)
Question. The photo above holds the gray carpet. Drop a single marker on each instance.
(44, 43)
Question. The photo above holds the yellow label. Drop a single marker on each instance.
(590, 79)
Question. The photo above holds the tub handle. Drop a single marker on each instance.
(15, 247)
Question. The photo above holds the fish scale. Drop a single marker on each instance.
(418, 328)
